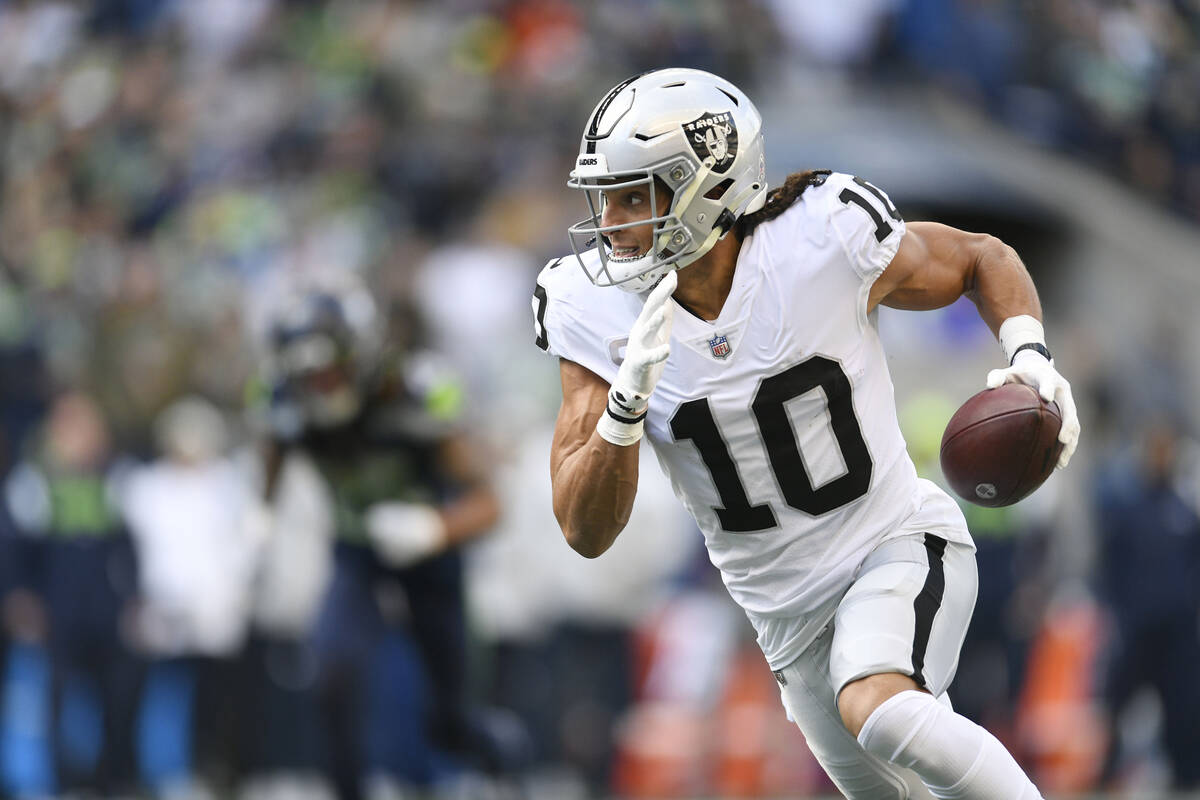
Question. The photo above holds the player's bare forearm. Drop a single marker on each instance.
(937, 264)
(594, 481)
(594, 489)
(470, 515)
(475, 510)
(1002, 287)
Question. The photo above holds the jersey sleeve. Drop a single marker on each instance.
(568, 320)
(865, 222)
(541, 307)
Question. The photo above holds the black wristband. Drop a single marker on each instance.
(627, 420)
(1036, 347)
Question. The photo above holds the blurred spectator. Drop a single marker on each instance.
(1112, 82)
(186, 513)
(1150, 574)
(64, 495)
(833, 33)
(23, 393)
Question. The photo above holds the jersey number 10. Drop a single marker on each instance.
(694, 420)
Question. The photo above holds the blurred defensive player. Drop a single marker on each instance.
(745, 345)
(407, 490)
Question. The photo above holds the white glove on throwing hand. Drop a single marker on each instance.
(645, 359)
(404, 533)
(1033, 369)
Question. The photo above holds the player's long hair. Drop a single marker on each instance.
(780, 199)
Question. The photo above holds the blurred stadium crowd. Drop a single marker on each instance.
(170, 171)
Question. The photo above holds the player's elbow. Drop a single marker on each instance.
(590, 537)
(586, 546)
(992, 252)
(591, 516)
(1000, 248)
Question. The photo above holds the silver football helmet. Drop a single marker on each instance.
(696, 133)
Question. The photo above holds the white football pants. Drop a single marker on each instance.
(907, 612)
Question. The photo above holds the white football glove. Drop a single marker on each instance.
(645, 359)
(1033, 369)
(404, 533)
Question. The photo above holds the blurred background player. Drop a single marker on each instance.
(379, 419)
(83, 574)
(1150, 526)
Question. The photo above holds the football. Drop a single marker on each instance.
(1001, 445)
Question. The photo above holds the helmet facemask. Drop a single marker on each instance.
(322, 374)
(671, 243)
(325, 345)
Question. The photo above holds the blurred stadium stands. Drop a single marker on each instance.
(168, 166)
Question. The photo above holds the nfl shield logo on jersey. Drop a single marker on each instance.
(719, 346)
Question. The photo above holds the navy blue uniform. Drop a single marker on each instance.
(83, 567)
(389, 452)
(1150, 571)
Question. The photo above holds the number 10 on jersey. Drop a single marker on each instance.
(694, 420)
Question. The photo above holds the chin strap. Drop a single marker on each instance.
(746, 194)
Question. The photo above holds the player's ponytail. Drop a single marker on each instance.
(780, 199)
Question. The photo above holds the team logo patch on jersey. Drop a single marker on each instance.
(713, 136)
(719, 345)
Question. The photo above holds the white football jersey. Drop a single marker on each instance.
(776, 422)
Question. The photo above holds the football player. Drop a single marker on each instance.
(382, 428)
(741, 337)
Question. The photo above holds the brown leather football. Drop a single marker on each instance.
(1001, 445)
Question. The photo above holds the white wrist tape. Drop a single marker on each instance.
(1019, 330)
(623, 421)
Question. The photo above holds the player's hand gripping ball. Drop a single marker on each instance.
(1001, 445)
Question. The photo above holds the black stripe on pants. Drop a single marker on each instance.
(927, 603)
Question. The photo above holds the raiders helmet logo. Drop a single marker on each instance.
(713, 137)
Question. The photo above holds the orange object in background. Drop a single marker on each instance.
(1060, 728)
(743, 747)
(743, 727)
(661, 752)
(760, 753)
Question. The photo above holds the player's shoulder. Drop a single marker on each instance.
(806, 220)
(808, 213)
(825, 191)
(563, 280)
(417, 397)
(824, 194)
(844, 213)
(570, 312)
